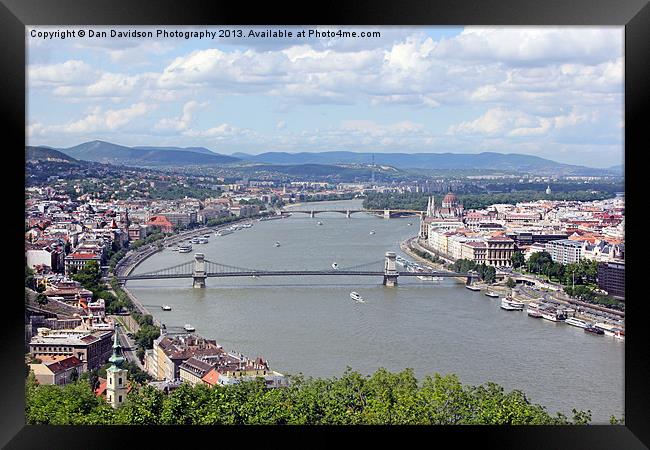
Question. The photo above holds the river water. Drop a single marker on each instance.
(311, 325)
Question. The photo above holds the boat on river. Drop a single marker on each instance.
(189, 327)
(166, 308)
(224, 232)
(492, 294)
(576, 322)
(509, 304)
(472, 288)
(372, 231)
(277, 243)
(185, 248)
(335, 266)
(356, 297)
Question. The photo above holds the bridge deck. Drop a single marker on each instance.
(284, 273)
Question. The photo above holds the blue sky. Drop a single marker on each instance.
(554, 92)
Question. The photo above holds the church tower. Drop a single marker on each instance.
(116, 387)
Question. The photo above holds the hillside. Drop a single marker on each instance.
(486, 160)
(47, 154)
(106, 152)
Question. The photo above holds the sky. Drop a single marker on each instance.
(553, 92)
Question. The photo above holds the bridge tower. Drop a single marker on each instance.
(348, 214)
(390, 270)
(199, 275)
(386, 213)
(312, 214)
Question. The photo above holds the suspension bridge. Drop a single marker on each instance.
(200, 269)
(387, 213)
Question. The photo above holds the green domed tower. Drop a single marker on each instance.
(116, 376)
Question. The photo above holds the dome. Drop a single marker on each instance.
(450, 200)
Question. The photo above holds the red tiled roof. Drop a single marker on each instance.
(83, 256)
(64, 364)
(211, 378)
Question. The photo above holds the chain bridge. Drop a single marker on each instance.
(387, 213)
(200, 269)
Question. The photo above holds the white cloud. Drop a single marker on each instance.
(183, 121)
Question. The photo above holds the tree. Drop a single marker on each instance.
(41, 298)
(90, 277)
(30, 281)
(511, 283)
(517, 259)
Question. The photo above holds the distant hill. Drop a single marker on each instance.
(487, 160)
(109, 153)
(46, 153)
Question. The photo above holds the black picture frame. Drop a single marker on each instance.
(633, 14)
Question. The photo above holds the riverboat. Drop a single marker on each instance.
(277, 243)
(576, 322)
(472, 288)
(609, 330)
(372, 231)
(224, 232)
(203, 240)
(185, 248)
(189, 327)
(594, 330)
(166, 308)
(356, 297)
(492, 294)
(554, 315)
(319, 223)
(195, 241)
(510, 304)
(335, 266)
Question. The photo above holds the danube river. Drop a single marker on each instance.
(311, 325)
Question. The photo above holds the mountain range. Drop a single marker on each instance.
(144, 156)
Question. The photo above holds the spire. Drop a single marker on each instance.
(116, 359)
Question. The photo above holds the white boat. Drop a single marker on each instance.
(610, 330)
(202, 240)
(553, 315)
(195, 241)
(223, 232)
(356, 297)
(319, 223)
(166, 308)
(189, 327)
(185, 248)
(372, 231)
(277, 244)
(472, 288)
(510, 304)
(335, 266)
(409, 224)
(576, 322)
(492, 294)
(619, 334)
(175, 249)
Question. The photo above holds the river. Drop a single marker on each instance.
(311, 325)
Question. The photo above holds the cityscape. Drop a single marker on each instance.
(266, 274)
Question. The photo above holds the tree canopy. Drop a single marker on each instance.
(382, 398)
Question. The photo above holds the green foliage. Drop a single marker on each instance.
(517, 259)
(511, 283)
(427, 255)
(145, 336)
(383, 398)
(418, 201)
(30, 281)
(90, 277)
(41, 298)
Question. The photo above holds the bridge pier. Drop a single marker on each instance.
(199, 275)
(390, 270)
(312, 214)
(386, 213)
(348, 214)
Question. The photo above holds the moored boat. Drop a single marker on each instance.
(492, 294)
(472, 288)
(594, 330)
(509, 304)
(185, 248)
(576, 322)
(356, 297)
(189, 327)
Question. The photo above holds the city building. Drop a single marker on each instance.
(92, 348)
(565, 251)
(116, 376)
(611, 278)
(57, 370)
